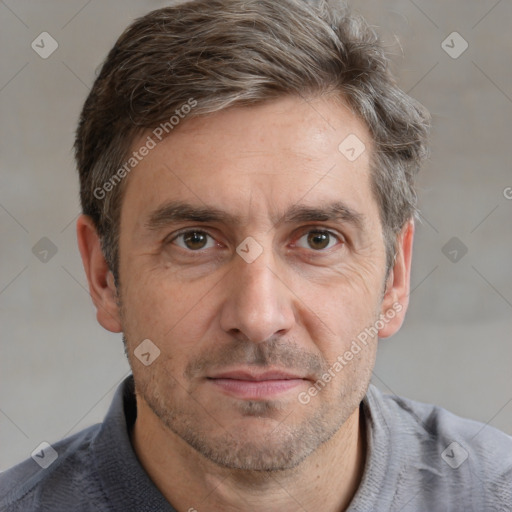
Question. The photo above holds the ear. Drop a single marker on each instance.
(101, 280)
(396, 297)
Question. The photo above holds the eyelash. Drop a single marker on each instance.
(310, 230)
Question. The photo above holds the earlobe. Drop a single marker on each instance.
(101, 281)
(396, 298)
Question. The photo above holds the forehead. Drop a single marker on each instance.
(258, 159)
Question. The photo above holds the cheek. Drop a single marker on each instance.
(172, 315)
(363, 280)
(355, 285)
(342, 308)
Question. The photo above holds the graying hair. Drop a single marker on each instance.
(227, 53)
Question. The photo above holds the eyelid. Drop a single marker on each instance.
(182, 231)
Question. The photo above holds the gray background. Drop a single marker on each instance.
(59, 368)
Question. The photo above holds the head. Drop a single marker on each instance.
(227, 220)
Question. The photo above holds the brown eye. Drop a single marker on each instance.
(193, 240)
(319, 240)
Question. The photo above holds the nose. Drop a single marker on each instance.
(258, 303)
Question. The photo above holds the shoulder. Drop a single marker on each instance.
(440, 424)
(52, 477)
(458, 451)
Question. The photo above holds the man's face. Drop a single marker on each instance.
(291, 300)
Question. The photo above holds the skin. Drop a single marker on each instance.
(296, 307)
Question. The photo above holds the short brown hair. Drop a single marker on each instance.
(226, 53)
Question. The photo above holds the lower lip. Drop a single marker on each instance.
(254, 390)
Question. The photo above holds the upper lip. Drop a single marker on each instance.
(253, 376)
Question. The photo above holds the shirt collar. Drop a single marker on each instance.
(124, 480)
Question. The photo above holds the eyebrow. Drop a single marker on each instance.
(180, 211)
(336, 211)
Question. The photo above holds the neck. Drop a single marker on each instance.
(327, 480)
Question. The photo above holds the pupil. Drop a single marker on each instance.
(195, 240)
(323, 238)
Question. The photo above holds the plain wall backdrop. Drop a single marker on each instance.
(59, 368)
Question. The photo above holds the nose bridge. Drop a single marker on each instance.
(258, 303)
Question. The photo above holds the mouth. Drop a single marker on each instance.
(256, 386)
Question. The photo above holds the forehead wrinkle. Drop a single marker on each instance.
(177, 211)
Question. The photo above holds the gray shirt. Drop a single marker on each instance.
(419, 458)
